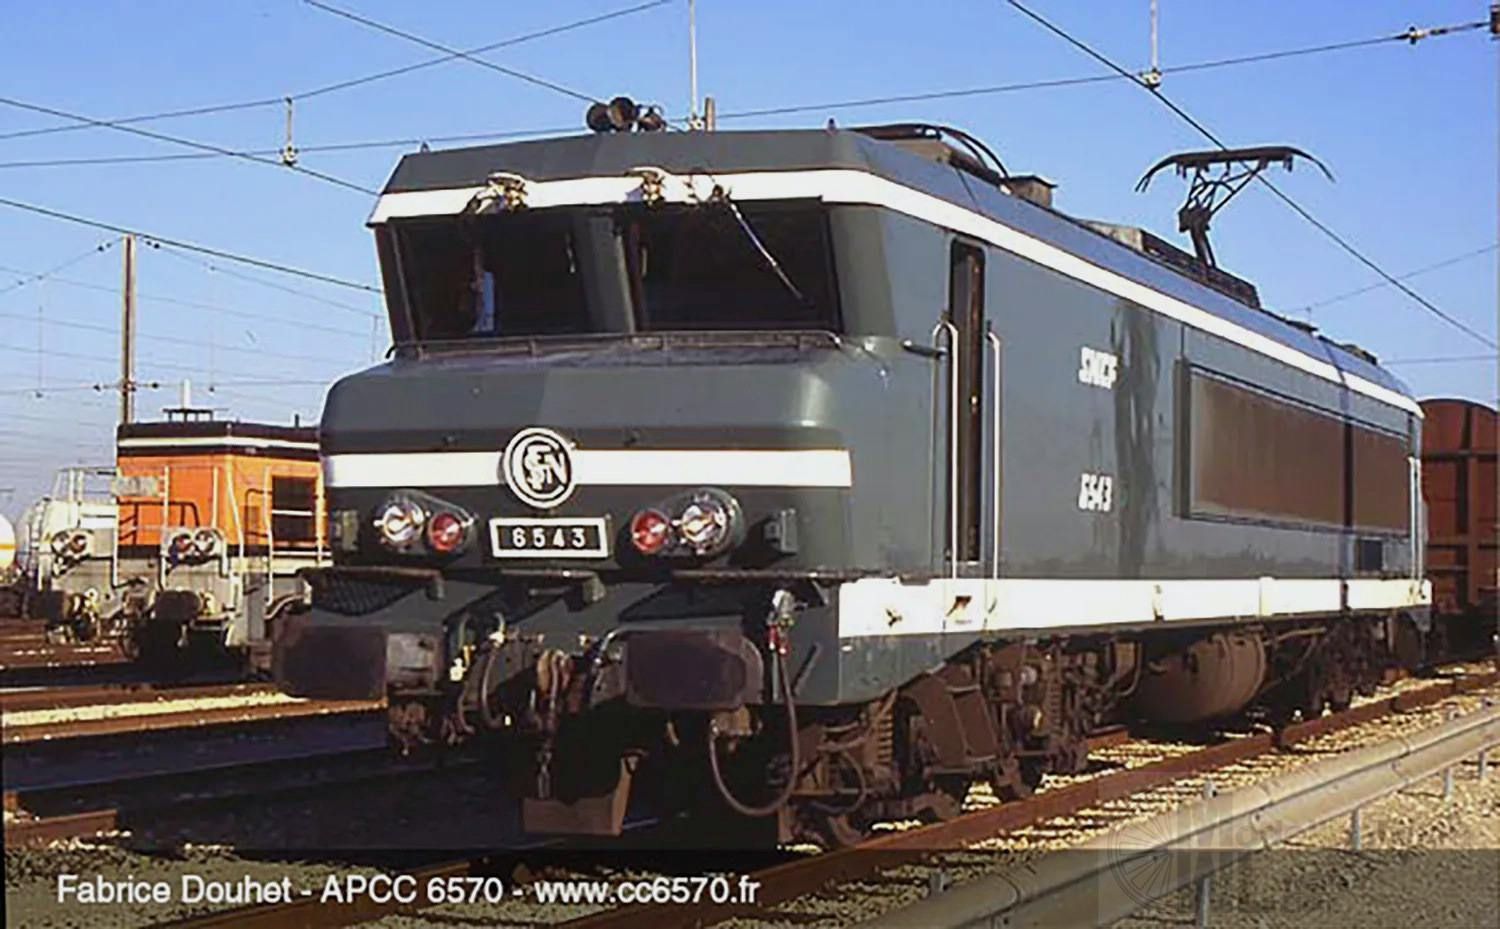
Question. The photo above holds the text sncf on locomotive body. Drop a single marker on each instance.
(812, 475)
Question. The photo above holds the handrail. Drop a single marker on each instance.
(234, 507)
(166, 517)
(267, 489)
(944, 326)
(996, 469)
(320, 516)
(1414, 516)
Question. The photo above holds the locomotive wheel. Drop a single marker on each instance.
(1314, 704)
(1018, 778)
(1279, 714)
(128, 641)
(947, 799)
(159, 644)
(83, 628)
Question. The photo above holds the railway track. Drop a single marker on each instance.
(946, 850)
(933, 856)
(79, 758)
(14, 625)
(31, 651)
(80, 778)
(73, 813)
(168, 715)
(27, 659)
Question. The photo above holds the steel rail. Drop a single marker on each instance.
(27, 831)
(30, 655)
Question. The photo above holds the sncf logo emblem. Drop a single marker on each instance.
(538, 467)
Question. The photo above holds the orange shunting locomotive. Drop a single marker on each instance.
(194, 538)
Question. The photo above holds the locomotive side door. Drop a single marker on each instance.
(966, 461)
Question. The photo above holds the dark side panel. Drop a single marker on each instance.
(1257, 489)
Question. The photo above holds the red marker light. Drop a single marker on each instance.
(650, 531)
(445, 533)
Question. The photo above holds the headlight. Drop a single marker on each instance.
(205, 543)
(704, 525)
(400, 523)
(59, 543)
(78, 544)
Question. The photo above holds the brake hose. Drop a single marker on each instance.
(767, 809)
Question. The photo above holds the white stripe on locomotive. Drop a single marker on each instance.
(850, 186)
(874, 607)
(601, 467)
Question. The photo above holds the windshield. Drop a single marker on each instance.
(712, 266)
(494, 278)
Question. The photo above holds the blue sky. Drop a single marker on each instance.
(1409, 132)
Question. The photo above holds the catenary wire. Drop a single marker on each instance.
(1283, 197)
(739, 114)
(199, 305)
(190, 143)
(331, 147)
(512, 72)
(190, 246)
(1457, 259)
(348, 83)
(1106, 78)
(276, 353)
(40, 392)
(39, 276)
(480, 50)
(1442, 359)
(217, 269)
(144, 363)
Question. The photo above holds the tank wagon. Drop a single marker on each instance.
(1458, 483)
(802, 478)
(190, 545)
(55, 532)
(12, 597)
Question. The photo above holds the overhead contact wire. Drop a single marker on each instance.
(1293, 204)
(190, 246)
(349, 83)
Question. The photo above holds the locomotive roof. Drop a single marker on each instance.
(802, 150)
(214, 437)
(680, 152)
(217, 429)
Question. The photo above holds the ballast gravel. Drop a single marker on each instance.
(1423, 861)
